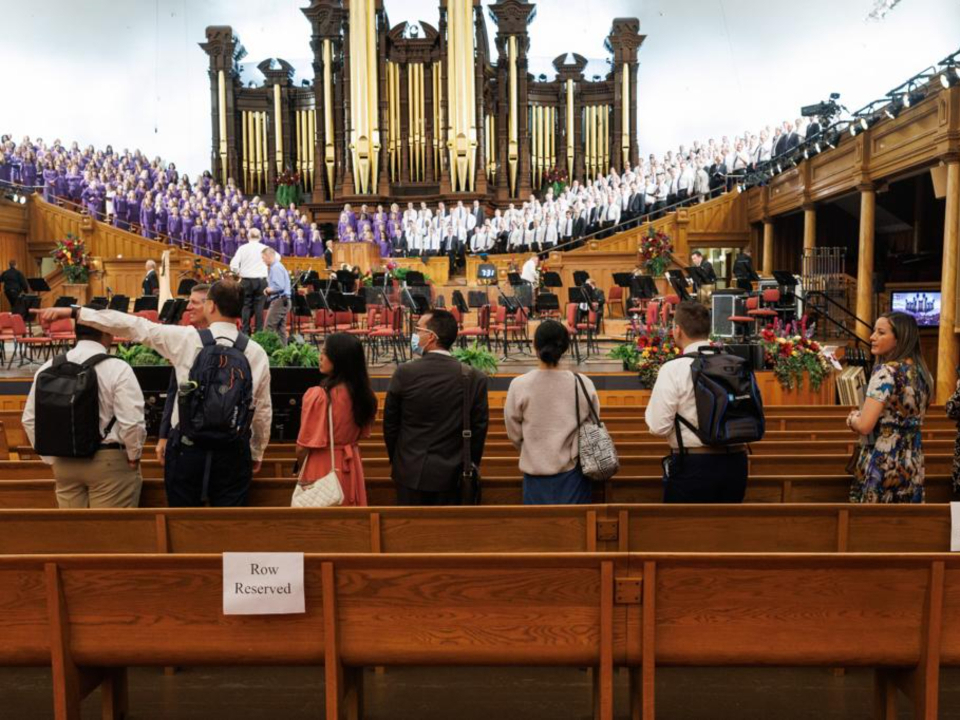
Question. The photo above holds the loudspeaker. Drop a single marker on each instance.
(722, 307)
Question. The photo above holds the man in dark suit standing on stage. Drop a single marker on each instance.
(14, 283)
(698, 260)
(423, 416)
(151, 283)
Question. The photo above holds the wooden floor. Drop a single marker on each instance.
(257, 693)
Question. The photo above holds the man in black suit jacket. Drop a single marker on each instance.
(151, 283)
(423, 421)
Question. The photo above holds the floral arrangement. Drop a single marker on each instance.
(72, 257)
(790, 353)
(207, 275)
(654, 348)
(654, 252)
(288, 178)
(556, 178)
(288, 188)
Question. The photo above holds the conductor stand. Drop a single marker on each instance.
(679, 283)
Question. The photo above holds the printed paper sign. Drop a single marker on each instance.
(263, 583)
(955, 527)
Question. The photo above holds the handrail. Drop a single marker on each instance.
(820, 313)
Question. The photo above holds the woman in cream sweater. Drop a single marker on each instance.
(541, 420)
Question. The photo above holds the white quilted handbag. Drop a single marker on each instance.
(325, 492)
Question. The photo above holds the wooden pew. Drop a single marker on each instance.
(276, 492)
(897, 613)
(550, 529)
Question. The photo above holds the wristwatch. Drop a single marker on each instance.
(75, 312)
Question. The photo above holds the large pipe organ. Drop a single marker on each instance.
(421, 111)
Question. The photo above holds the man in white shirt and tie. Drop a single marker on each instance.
(248, 264)
(700, 474)
(111, 477)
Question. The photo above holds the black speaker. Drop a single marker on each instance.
(722, 307)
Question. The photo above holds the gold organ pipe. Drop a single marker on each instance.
(329, 151)
(222, 117)
(252, 149)
(265, 120)
(278, 128)
(422, 123)
(299, 138)
(244, 165)
(258, 149)
(540, 144)
(365, 132)
(606, 139)
(312, 146)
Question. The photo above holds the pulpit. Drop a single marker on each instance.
(363, 255)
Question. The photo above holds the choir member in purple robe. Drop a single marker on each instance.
(160, 219)
(91, 200)
(301, 246)
(271, 240)
(229, 244)
(28, 171)
(147, 217)
(173, 226)
(386, 247)
(317, 248)
(198, 236)
(120, 211)
(74, 184)
(186, 224)
(133, 212)
(214, 237)
(62, 188)
(285, 246)
(350, 236)
(348, 221)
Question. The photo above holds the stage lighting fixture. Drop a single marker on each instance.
(894, 108)
(914, 96)
(949, 75)
(854, 128)
(864, 123)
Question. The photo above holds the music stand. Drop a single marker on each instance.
(414, 277)
(186, 286)
(145, 303)
(580, 277)
(336, 301)
(514, 279)
(785, 279)
(119, 302)
(316, 301)
(698, 276)
(743, 270)
(547, 302)
(551, 279)
(62, 301)
(623, 280)
(378, 279)
(679, 283)
(347, 280)
(172, 311)
(38, 285)
(25, 303)
(356, 304)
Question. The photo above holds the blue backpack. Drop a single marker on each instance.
(216, 406)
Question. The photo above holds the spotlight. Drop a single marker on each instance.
(864, 123)
(853, 128)
(542, 77)
(913, 97)
(832, 138)
(894, 108)
(949, 76)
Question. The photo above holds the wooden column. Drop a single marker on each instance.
(767, 267)
(809, 228)
(948, 351)
(868, 206)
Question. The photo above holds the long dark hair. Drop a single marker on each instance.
(350, 368)
(907, 333)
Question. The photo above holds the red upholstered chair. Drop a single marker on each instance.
(25, 343)
(61, 334)
(323, 322)
(573, 328)
(746, 324)
(478, 333)
(151, 315)
(668, 308)
(764, 311)
(615, 299)
(6, 334)
(653, 313)
(389, 334)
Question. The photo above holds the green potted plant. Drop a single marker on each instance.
(628, 354)
(477, 357)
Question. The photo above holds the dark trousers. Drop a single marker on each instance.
(12, 297)
(409, 496)
(253, 300)
(193, 475)
(711, 478)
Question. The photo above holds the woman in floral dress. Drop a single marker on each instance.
(890, 466)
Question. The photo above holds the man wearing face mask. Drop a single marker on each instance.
(423, 416)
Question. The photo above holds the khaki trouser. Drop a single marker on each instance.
(102, 481)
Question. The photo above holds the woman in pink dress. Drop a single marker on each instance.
(347, 385)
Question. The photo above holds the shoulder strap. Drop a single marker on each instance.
(467, 433)
(333, 462)
(95, 360)
(592, 411)
(241, 342)
(206, 337)
(60, 359)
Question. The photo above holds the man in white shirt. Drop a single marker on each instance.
(530, 272)
(700, 474)
(193, 472)
(111, 478)
(249, 266)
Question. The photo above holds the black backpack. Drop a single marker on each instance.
(68, 408)
(729, 407)
(217, 405)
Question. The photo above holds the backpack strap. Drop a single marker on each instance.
(466, 432)
(241, 342)
(60, 360)
(93, 362)
(206, 337)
